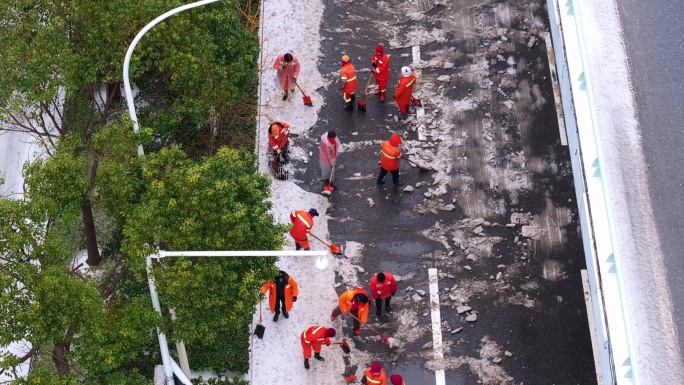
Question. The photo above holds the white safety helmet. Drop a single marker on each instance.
(405, 71)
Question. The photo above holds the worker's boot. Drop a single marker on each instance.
(286, 314)
(318, 357)
(349, 106)
(275, 317)
(285, 95)
(377, 92)
(306, 363)
(388, 308)
(380, 181)
(382, 97)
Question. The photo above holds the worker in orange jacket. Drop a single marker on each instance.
(381, 70)
(383, 286)
(374, 375)
(282, 293)
(278, 139)
(349, 82)
(404, 93)
(313, 338)
(396, 379)
(354, 302)
(287, 67)
(302, 223)
(389, 160)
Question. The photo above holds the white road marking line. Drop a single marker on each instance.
(420, 111)
(556, 89)
(436, 324)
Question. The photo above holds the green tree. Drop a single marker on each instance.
(217, 204)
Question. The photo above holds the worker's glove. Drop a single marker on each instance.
(284, 66)
(294, 299)
(294, 79)
(374, 65)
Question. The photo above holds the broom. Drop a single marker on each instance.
(362, 103)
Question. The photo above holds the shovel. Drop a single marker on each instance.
(362, 103)
(390, 341)
(260, 329)
(335, 249)
(328, 190)
(344, 345)
(306, 99)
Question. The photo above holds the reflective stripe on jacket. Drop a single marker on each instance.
(302, 223)
(348, 77)
(405, 89)
(389, 157)
(379, 380)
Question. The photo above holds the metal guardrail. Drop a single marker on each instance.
(611, 326)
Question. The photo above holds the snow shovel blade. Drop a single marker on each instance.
(362, 105)
(307, 101)
(344, 346)
(335, 249)
(328, 190)
(259, 331)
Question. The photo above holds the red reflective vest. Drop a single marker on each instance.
(384, 289)
(278, 136)
(382, 68)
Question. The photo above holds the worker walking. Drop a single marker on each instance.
(313, 338)
(404, 93)
(354, 302)
(349, 82)
(374, 375)
(383, 286)
(287, 67)
(381, 70)
(396, 379)
(282, 293)
(389, 160)
(302, 223)
(330, 145)
(278, 139)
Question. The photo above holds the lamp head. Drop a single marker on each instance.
(322, 263)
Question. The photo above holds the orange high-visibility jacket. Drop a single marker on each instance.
(389, 157)
(379, 380)
(302, 223)
(278, 134)
(383, 289)
(348, 77)
(315, 335)
(345, 303)
(291, 290)
(405, 89)
(382, 69)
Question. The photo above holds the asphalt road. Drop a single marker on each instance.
(491, 129)
(654, 33)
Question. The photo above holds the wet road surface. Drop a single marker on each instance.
(492, 135)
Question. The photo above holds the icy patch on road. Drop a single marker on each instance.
(484, 368)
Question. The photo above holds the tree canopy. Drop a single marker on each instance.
(89, 320)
